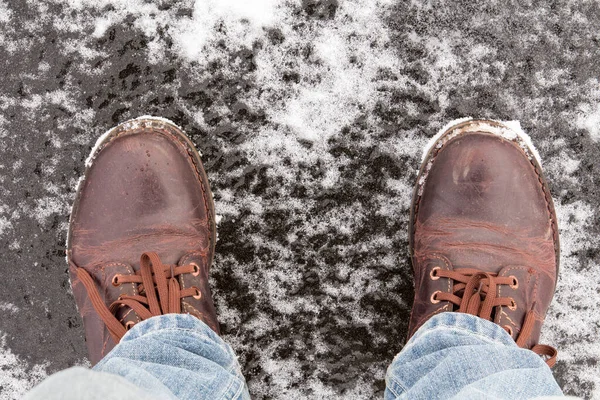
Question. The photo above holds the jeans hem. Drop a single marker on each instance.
(466, 323)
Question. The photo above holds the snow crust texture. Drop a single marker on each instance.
(311, 116)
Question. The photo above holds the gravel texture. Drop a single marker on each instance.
(311, 116)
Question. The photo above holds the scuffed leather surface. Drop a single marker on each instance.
(483, 206)
(334, 244)
(143, 192)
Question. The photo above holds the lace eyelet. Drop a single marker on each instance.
(434, 298)
(508, 329)
(198, 294)
(115, 280)
(433, 275)
(513, 305)
(129, 325)
(196, 269)
(515, 284)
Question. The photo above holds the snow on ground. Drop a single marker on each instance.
(311, 116)
(17, 375)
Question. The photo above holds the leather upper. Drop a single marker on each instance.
(485, 205)
(145, 191)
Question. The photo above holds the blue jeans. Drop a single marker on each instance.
(178, 357)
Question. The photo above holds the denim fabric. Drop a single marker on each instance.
(80, 383)
(181, 353)
(175, 356)
(460, 356)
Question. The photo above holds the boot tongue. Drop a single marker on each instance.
(124, 314)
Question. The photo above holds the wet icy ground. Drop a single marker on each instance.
(311, 116)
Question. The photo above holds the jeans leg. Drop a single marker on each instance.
(78, 383)
(460, 356)
(173, 356)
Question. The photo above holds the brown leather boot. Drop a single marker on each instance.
(483, 232)
(142, 232)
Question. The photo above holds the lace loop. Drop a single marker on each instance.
(160, 292)
(470, 285)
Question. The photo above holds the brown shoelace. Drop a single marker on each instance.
(156, 280)
(474, 284)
